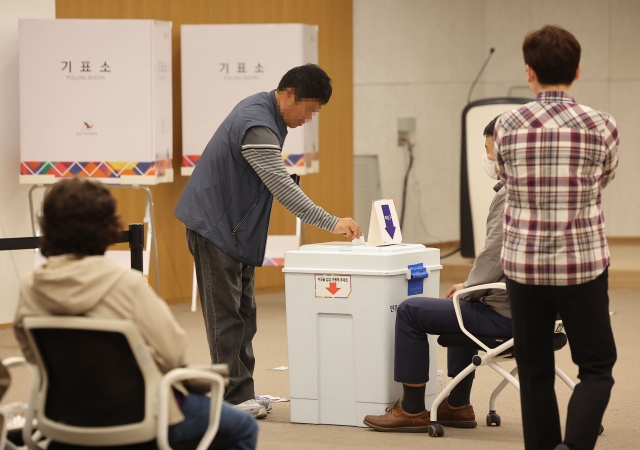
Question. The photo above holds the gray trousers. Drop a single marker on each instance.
(229, 310)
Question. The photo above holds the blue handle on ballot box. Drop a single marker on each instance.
(416, 283)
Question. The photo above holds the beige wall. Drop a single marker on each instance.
(332, 187)
(416, 58)
(424, 62)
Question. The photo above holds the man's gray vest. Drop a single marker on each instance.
(225, 200)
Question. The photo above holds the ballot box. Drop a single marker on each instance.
(341, 310)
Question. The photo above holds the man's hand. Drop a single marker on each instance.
(348, 228)
(455, 288)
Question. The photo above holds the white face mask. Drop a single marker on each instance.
(489, 167)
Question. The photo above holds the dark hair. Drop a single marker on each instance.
(308, 82)
(488, 130)
(553, 53)
(79, 217)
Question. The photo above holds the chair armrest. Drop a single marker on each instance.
(14, 361)
(200, 386)
(222, 369)
(217, 392)
(456, 306)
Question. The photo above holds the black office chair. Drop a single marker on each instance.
(99, 386)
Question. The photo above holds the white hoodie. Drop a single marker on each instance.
(94, 286)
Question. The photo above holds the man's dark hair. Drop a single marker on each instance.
(308, 82)
(553, 53)
(79, 217)
(488, 130)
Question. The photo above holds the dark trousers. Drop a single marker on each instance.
(229, 310)
(584, 310)
(419, 316)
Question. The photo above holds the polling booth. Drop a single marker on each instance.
(341, 303)
(223, 64)
(96, 102)
(476, 188)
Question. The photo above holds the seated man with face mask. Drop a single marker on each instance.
(484, 312)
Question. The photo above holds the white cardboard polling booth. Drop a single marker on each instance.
(223, 64)
(95, 101)
(341, 311)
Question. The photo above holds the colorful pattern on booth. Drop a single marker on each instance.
(190, 160)
(273, 262)
(95, 169)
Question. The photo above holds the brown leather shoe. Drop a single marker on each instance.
(459, 417)
(396, 419)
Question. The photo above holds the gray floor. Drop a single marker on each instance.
(276, 432)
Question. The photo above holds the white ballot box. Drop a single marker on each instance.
(341, 312)
(95, 101)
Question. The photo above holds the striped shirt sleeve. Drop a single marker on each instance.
(261, 149)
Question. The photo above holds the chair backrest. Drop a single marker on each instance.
(99, 384)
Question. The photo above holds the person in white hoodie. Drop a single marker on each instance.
(79, 222)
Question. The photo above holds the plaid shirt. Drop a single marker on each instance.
(555, 156)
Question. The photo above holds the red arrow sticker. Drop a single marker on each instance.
(332, 286)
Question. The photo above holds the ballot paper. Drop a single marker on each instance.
(271, 398)
(359, 241)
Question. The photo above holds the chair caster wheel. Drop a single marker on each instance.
(436, 430)
(601, 430)
(493, 418)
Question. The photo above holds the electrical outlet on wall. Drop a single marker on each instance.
(406, 130)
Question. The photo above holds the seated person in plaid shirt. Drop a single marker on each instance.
(485, 313)
(555, 157)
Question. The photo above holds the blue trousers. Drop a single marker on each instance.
(419, 316)
(237, 431)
